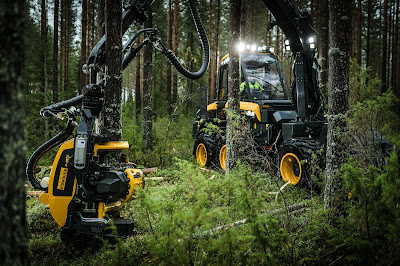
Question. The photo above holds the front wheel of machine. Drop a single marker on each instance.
(202, 153)
(222, 157)
(290, 168)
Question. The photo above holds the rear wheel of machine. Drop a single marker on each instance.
(222, 157)
(290, 168)
(202, 154)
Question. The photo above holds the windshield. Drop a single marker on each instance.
(265, 79)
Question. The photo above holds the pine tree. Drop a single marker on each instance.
(138, 94)
(233, 82)
(147, 91)
(84, 27)
(169, 47)
(13, 230)
(339, 19)
(384, 46)
(175, 50)
(323, 46)
(110, 119)
(55, 52)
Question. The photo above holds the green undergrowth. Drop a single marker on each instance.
(198, 217)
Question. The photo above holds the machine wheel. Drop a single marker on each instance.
(290, 167)
(222, 157)
(202, 153)
(290, 155)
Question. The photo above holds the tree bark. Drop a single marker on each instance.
(55, 52)
(243, 18)
(233, 82)
(100, 20)
(169, 47)
(13, 229)
(334, 196)
(324, 47)
(384, 47)
(359, 25)
(147, 90)
(395, 46)
(369, 33)
(210, 14)
(82, 76)
(214, 66)
(43, 44)
(62, 43)
(110, 119)
(175, 50)
(138, 95)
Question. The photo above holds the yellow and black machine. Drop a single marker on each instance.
(287, 121)
(83, 188)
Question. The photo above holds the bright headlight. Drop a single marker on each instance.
(311, 40)
(241, 47)
(250, 114)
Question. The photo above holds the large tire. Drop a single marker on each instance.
(294, 157)
(222, 157)
(202, 153)
(290, 168)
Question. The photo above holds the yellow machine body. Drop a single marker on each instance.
(62, 182)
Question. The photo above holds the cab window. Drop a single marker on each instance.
(223, 83)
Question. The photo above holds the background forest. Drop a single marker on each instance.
(177, 216)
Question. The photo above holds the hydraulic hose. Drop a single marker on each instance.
(46, 111)
(204, 44)
(47, 146)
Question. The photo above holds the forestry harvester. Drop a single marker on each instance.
(288, 122)
(292, 118)
(83, 187)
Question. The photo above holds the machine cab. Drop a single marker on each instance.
(261, 78)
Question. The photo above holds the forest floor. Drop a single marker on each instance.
(197, 216)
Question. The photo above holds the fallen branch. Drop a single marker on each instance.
(149, 170)
(204, 169)
(295, 208)
(155, 178)
(35, 193)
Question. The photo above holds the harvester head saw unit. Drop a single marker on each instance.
(84, 190)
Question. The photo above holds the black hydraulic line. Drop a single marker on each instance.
(47, 146)
(132, 54)
(46, 111)
(204, 44)
(133, 38)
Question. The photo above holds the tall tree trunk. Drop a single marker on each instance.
(169, 47)
(384, 46)
(110, 118)
(395, 46)
(359, 25)
(233, 82)
(216, 52)
(334, 196)
(368, 63)
(175, 50)
(82, 76)
(55, 52)
(252, 35)
(147, 91)
(324, 47)
(43, 44)
(13, 229)
(89, 33)
(68, 24)
(101, 30)
(243, 17)
(62, 42)
(210, 14)
(138, 95)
